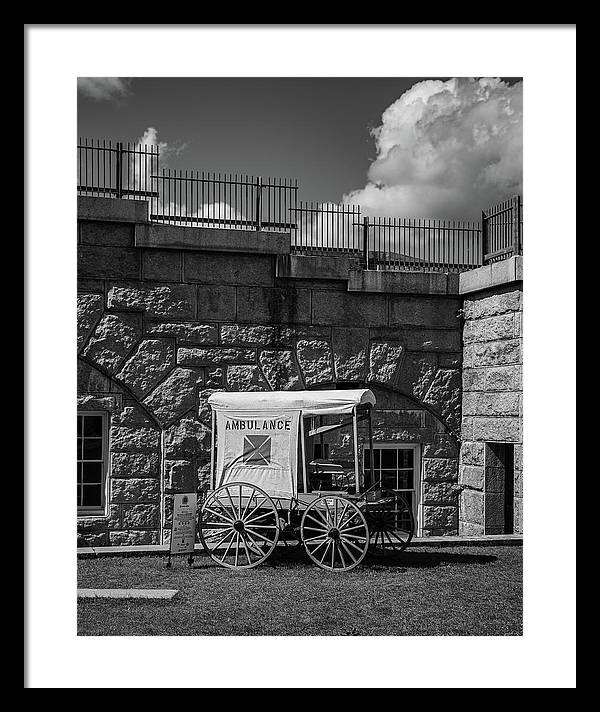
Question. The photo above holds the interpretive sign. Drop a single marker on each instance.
(183, 528)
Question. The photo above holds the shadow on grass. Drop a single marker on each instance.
(428, 560)
(410, 559)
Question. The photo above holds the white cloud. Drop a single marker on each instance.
(150, 137)
(103, 88)
(141, 167)
(166, 150)
(446, 150)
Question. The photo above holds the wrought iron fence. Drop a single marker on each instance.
(326, 228)
(194, 198)
(116, 170)
(202, 199)
(502, 230)
(421, 245)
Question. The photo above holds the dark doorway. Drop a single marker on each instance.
(499, 488)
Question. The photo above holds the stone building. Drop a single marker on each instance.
(169, 314)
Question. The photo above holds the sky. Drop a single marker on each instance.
(413, 147)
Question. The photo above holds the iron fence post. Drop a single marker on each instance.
(119, 169)
(366, 242)
(484, 235)
(258, 203)
(516, 224)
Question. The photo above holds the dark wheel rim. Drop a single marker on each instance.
(334, 533)
(239, 525)
(387, 536)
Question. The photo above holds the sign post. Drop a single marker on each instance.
(183, 526)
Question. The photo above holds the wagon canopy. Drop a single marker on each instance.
(258, 433)
(307, 402)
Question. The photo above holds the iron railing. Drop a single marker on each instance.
(201, 199)
(502, 230)
(193, 198)
(116, 170)
(327, 228)
(421, 245)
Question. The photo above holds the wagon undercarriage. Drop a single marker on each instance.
(241, 525)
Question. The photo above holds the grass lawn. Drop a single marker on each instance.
(425, 591)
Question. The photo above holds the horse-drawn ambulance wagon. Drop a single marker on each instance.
(266, 487)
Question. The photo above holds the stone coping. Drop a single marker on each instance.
(316, 266)
(398, 282)
(494, 275)
(163, 549)
(212, 239)
(112, 209)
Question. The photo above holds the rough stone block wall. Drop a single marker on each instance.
(492, 401)
(159, 330)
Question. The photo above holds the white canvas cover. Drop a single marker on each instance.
(257, 433)
(259, 447)
(308, 402)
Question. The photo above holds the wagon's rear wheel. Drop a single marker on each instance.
(239, 525)
(334, 533)
(391, 523)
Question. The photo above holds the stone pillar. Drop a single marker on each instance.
(491, 408)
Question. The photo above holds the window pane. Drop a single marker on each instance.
(406, 458)
(92, 496)
(92, 449)
(376, 458)
(388, 459)
(405, 479)
(90, 466)
(92, 473)
(389, 478)
(93, 426)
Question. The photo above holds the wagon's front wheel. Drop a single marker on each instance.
(239, 525)
(334, 533)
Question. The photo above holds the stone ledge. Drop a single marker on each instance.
(402, 282)
(112, 209)
(211, 239)
(315, 267)
(494, 275)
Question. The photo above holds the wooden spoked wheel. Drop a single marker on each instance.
(391, 523)
(239, 525)
(334, 533)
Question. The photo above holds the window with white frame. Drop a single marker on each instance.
(397, 467)
(92, 457)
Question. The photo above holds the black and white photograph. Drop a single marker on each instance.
(291, 321)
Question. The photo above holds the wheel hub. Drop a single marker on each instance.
(239, 526)
(334, 534)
